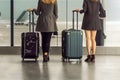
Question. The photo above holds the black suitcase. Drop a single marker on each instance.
(30, 41)
(72, 41)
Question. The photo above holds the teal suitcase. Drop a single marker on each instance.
(72, 43)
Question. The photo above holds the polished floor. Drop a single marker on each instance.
(106, 67)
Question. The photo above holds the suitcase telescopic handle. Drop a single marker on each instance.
(31, 21)
(73, 22)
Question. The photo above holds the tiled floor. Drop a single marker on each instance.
(106, 67)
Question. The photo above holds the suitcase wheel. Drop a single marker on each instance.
(65, 60)
(22, 59)
(35, 59)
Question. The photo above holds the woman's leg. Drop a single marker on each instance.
(88, 44)
(93, 38)
(46, 38)
(88, 41)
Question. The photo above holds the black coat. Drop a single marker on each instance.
(91, 19)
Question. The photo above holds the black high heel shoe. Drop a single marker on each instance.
(88, 59)
(45, 58)
(92, 58)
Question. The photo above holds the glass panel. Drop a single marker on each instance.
(21, 18)
(112, 28)
(4, 22)
(65, 18)
(72, 5)
(65, 8)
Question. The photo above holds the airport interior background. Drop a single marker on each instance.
(111, 22)
(14, 21)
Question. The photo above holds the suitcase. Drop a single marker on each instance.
(30, 41)
(72, 42)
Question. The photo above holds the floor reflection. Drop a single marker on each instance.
(105, 68)
(31, 70)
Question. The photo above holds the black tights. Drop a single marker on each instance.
(46, 38)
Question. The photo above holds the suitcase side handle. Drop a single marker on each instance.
(73, 21)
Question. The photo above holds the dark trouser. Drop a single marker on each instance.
(46, 38)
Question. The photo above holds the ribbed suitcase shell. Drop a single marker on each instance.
(72, 41)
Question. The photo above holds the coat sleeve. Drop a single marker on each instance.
(37, 12)
(101, 7)
(102, 11)
(56, 9)
(84, 7)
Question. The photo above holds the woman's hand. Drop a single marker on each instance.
(34, 9)
(29, 10)
(77, 10)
